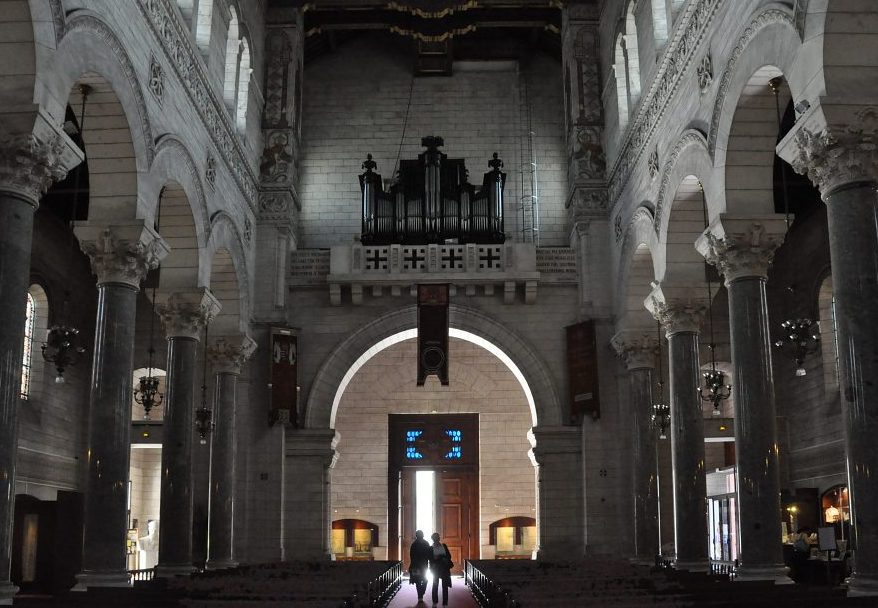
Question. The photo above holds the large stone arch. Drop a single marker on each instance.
(30, 36)
(331, 374)
(224, 237)
(640, 240)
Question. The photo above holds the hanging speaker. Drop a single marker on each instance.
(433, 333)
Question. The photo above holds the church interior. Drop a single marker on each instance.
(586, 287)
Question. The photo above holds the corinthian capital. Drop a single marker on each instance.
(834, 146)
(637, 348)
(32, 161)
(185, 312)
(742, 246)
(121, 253)
(227, 354)
(678, 309)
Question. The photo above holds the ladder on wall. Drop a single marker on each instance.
(529, 199)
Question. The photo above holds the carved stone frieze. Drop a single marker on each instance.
(653, 164)
(186, 62)
(587, 204)
(156, 80)
(121, 253)
(637, 349)
(210, 171)
(279, 59)
(185, 313)
(679, 54)
(617, 227)
(742, 248)
(277, 165)
(227, 354)
(705, 73)
(248, 230)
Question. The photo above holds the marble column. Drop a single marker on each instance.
(226, 355)
(638, 349)
(681, 317)
(184, 314)
(120, 255)
(835, 147)
(742, 248)
(29, 164)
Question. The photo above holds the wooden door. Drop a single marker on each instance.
(457, 502)
(406, 513)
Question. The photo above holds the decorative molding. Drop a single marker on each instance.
(617, 227)
(744, 253)
(30, 164)
(156, 80)
(170, 141)
(679, 54)
(185, 313)
(58, 19)
(248, 230)
(228, 354)
(653, 164)
(185, 60)
(689, 138)
(677, 315)
(705, 73)
(102, 30)
(121, 253)
(210, 170)
(761, 21)
(800, 14)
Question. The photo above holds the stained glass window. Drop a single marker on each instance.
(411, 450)
(454, 435)
(30, 315)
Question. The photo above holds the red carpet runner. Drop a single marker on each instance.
(460, 596)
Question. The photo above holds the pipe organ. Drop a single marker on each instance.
(432, 201)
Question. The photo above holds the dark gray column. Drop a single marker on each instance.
(835, 147)
(681, 319)
(184, 314)
(742, 249)
(638, 350)
(28, 166)
(120, 257)
(227, 355)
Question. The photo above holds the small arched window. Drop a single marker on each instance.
(233, 45)
(659, 24)
(203, 22)
(27, 351)
(621, 82)
(243, 86)
(632, 57)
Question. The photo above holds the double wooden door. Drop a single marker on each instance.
(449, 445)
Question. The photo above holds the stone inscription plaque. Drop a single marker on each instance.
(556, 264)
(309, 267)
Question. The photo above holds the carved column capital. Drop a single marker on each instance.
(742, 247)
(678, 309)
(31, 162)
(637, 348)
(184, 313)
(121, 253)
(834, 146)
(227, 354)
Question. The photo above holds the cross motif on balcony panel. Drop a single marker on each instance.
(489, 257)
(413, 258)
(376, 258)
(451, 258)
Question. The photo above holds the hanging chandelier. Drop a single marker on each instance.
(801, 337)
(661, 411)
(715, 389)
(203, 415)
(147, 393)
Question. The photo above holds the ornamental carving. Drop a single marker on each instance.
(228, 355)
(680, 52)
(273, 203)
(276, 165)
(210, 171)
(653, 164)
(156, 80)
(745, 254)
(278, 61)
(705, 73)
(185, 314)
(122, 259)
(678, 315)
(248, 230)
(589, 161)
(639, 351)
(617, 227)
(841, 156)
(588, 204)
(28, 166)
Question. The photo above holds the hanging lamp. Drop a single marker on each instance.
(661, 411)
(204, 415)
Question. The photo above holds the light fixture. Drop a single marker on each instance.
(799, 337)
(203, 415)
(661, 411)
(62, 348)
(715, 389)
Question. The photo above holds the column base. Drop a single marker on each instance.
(693, 565)
(110, 578)
(169, 570)
(777, 573)
(860, 585)
(220, 564)
(7, 592)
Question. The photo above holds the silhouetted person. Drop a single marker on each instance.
(440, 566)
(419, 557)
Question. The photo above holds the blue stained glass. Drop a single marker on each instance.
(454, 434)
(412, 453)
(412, 436)
(455, 453)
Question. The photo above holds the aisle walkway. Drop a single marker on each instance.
(460, 596)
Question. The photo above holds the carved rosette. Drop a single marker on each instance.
(742, 254)
(121, 253)
(28, 165)
(638, 350)
(227, 354)
(185, 313)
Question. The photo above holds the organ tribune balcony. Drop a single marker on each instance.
(432, 226)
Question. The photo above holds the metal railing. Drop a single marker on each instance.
(145, 574)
